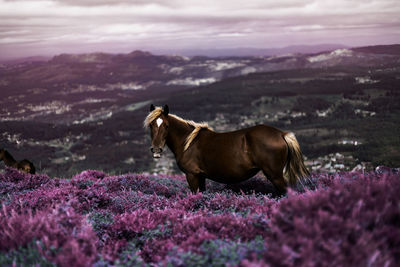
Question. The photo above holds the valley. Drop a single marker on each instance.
(79, 112)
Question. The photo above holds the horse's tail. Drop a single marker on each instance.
(295, 168)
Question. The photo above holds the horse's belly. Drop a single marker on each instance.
(231, 178)
(230, 171)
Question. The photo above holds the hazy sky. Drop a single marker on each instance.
(30, 27)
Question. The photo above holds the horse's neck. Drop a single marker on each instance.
(8, 159)
(177, 134)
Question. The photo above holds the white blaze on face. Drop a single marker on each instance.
(159, 121)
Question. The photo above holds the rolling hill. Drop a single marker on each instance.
(76, 112)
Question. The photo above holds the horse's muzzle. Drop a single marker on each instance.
(156, 152)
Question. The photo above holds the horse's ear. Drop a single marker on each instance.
(166, 110)
(152, 107)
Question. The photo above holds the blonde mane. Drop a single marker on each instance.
(189, 139)
(197, 127)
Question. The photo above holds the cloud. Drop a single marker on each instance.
(122, 24)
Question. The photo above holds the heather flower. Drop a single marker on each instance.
(67, 238)
(342, 219)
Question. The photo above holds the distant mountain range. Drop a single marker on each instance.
(248, 51)
(218, 52)
(393, 49)
(26, 59)
(239, 52)
(379, 49)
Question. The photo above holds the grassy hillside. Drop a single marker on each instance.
(344, 117)
(346, 219)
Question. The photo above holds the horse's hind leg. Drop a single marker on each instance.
(276, 179)
(272, 168)
(269, 152)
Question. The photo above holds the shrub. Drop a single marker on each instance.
(217, 253)
(344, 219)
(66, 236)
(354, 222)
(25, 256)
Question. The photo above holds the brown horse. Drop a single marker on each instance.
(226, 157)
(23, 165)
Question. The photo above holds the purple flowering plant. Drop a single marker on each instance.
(93, 219)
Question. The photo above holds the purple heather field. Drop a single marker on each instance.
(92, 219)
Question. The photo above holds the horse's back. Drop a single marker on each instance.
(265, 135)
(240, 141)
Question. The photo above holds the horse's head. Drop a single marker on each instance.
(158, 123)
(24, 167)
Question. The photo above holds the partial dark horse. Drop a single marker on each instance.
(23, 165)
(226, 157)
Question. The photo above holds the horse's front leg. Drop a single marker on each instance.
(196, 182)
